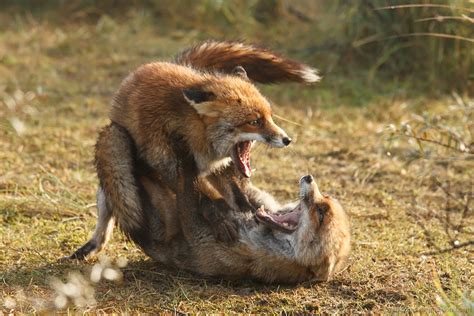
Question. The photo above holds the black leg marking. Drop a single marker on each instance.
(84, 251)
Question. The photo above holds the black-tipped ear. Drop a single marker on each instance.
(239, 71)
(197, 96)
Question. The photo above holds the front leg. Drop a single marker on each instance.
(197, 197)
(258, 197)
(261, 198)
(228, 185)
(188, 196)
(217, 212)
(241, 198)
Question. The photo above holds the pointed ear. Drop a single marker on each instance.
(239, 71)
(201, 101)
(196, 95)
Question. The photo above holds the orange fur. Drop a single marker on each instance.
(261, 65)
(151, 106)
(203, 104)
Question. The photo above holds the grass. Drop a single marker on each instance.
(55, 84)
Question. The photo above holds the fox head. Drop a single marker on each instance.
(317, 229)
(323, 221)
(235, 114)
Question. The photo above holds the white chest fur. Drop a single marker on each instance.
(206, 169)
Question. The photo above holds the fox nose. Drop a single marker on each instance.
(286, 140)
(308, 178)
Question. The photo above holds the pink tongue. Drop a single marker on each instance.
(291, 217)
(244, 158)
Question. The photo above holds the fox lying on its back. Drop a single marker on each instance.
(308, 241)
(204, 100)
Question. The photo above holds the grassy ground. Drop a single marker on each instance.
(55, 85)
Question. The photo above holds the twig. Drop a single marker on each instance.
(441, 18)
(420, 5)
(465, 211)
(426, 232)
(441, 35)
(440, 251)
(447, 213)
(418, 138)
(299, 14)
(447, 192)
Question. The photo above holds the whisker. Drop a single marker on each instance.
(286, 120)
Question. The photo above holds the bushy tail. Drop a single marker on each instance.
(261, 65)
(115, 160)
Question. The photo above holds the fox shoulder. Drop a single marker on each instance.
(261, 65)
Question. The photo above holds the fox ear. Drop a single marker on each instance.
(239, 71)
(201, 101)
(196, 96)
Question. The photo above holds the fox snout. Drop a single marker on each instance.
(278, 138)
(278, 141)
(308, 179)
(265, 131)
(309, 190)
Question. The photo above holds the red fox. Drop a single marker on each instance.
(205, 101)
(307, 240)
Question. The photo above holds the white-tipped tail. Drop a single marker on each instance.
(310, 75)
(260, 64)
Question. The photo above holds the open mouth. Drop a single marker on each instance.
(284, 222)
(241, 157)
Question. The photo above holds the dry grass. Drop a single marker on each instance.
(55, 85)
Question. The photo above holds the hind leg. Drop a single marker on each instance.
(102, 232)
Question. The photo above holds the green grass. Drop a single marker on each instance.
(47, 182)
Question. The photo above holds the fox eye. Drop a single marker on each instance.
(321, 217)
(322, 210)
(256, 122)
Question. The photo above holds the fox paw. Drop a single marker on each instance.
(83, 252)
(226, 231)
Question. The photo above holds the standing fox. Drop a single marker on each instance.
(204, 101)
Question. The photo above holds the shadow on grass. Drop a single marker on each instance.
(145, 280)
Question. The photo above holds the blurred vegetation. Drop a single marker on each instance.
(383, 47)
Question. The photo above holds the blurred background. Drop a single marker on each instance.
(364, 49)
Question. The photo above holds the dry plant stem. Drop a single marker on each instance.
(433, 141)
(420, 5)
(441, 18)
(445, 250)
